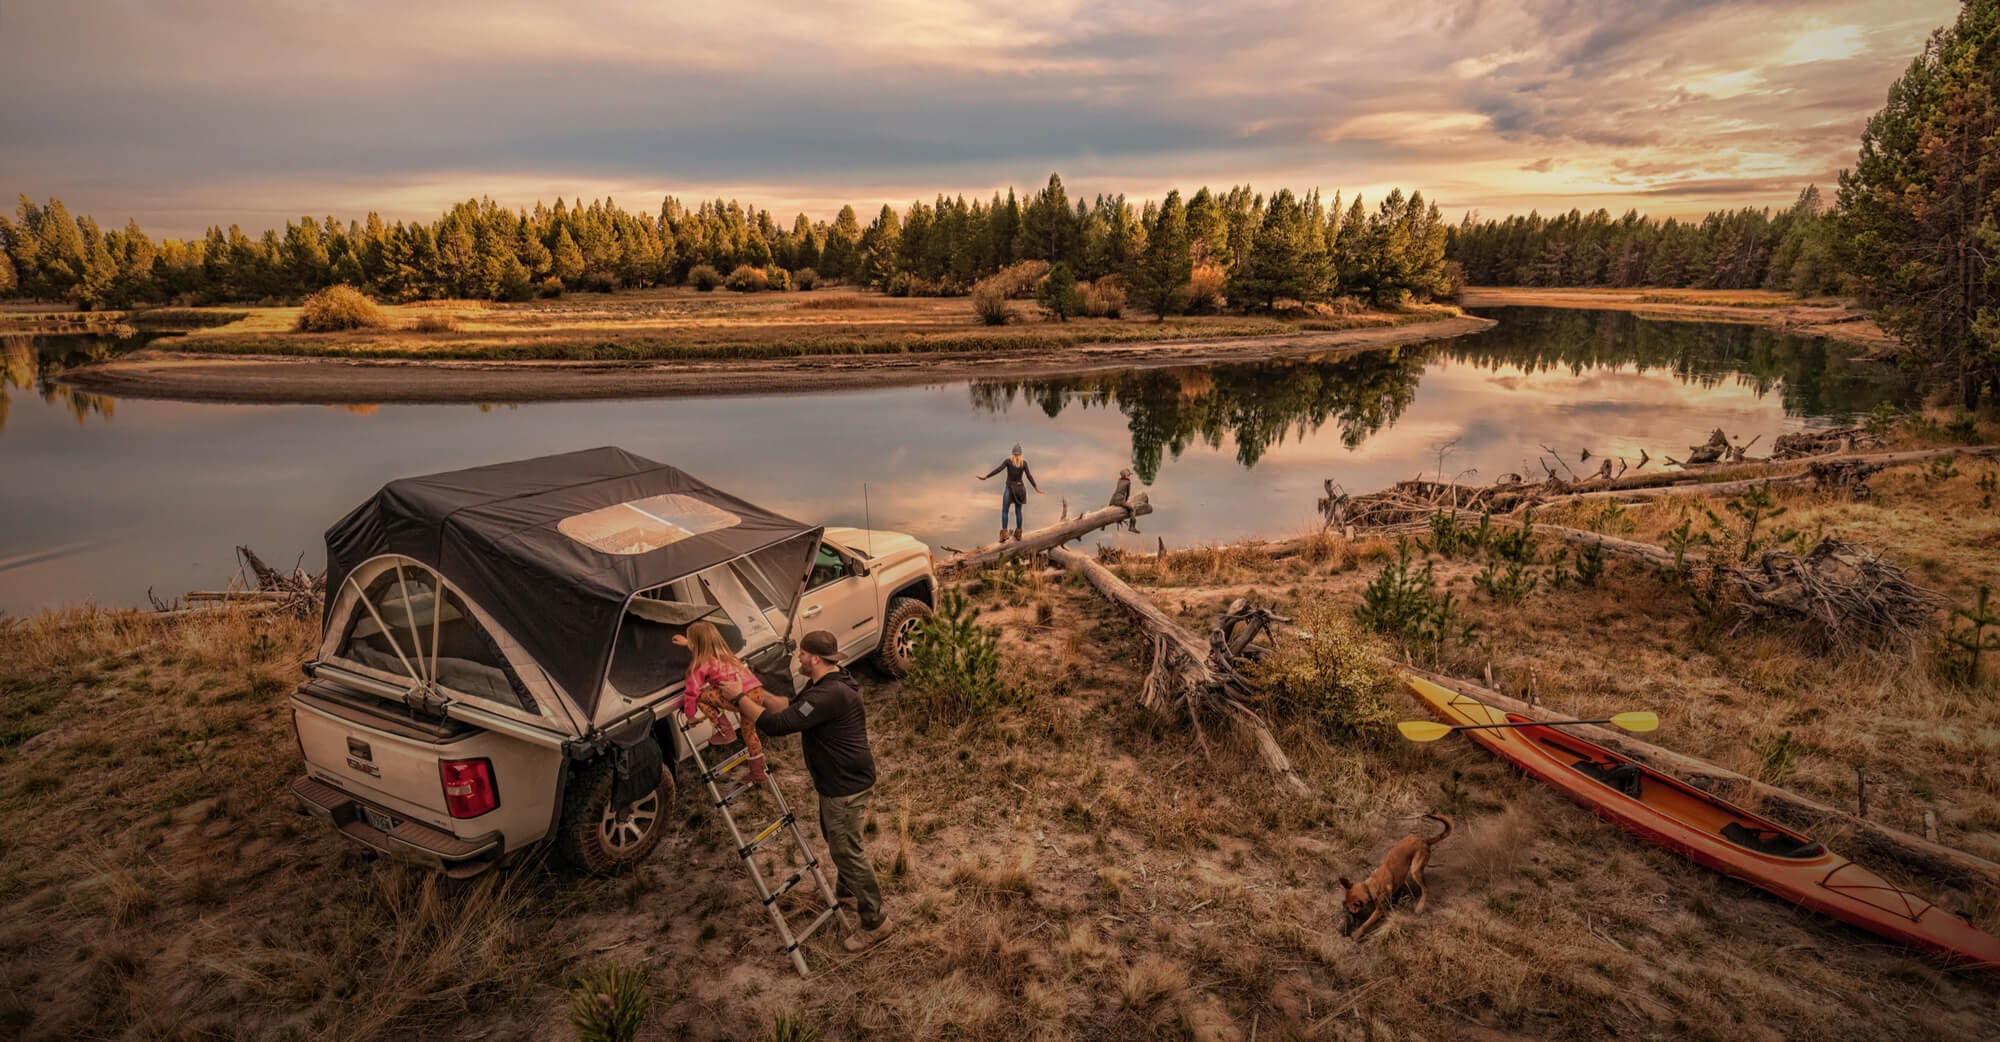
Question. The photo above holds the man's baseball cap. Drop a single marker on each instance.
(821, 643)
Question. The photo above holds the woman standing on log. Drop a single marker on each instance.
(1019, 477)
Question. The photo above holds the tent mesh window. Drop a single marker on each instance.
(646, 524)
(447, 647)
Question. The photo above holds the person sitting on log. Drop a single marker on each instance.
(1019, 477)
(1122, 497)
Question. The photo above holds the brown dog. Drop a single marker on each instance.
(1402, 866)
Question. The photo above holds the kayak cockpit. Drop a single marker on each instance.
(1772, 842)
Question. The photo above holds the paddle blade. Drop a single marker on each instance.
(1423, 730)
(1637, 721)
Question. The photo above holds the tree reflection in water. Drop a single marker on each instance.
(1261, 404)
(26, 362)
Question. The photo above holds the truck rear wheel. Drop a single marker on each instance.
(899, 634)
(603, 839)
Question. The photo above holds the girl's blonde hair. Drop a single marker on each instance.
(706, 644)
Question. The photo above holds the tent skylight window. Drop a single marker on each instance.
(643, 525)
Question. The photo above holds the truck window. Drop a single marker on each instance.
(404, 628)
(828, 566)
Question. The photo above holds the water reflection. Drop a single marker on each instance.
(1253, 405)
(1259, 405)
(28, 362)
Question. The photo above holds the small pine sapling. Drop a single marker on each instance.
(1970, 643)
(1398, 600)
(1756, 507)
(1989, 483)
(1943, 468)
(1590, 565)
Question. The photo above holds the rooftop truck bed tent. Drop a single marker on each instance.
(554, 548)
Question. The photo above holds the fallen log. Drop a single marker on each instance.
(1878, 841)
(1183, 673)
(1046, 538)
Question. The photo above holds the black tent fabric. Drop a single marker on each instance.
(492, 532)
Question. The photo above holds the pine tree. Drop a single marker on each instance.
(1921, 207)
(1049, 228)
(838, 254)
(567, 259)
(1159, 278)
(1287, 257)
(1058, 295)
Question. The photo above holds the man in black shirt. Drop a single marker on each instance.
(1019, 477)
(833, 732)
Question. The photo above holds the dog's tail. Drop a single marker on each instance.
(1439, 838)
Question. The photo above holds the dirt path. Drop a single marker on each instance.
(323, 381)
(1839, 321)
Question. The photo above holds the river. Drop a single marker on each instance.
(102, 500)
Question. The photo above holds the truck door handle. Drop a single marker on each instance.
(810, 612)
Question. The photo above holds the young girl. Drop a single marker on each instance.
(713, 663)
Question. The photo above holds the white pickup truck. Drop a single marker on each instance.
(497, 669)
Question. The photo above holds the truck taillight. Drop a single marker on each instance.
(468, 787)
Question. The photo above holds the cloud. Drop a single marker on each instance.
(197, 111)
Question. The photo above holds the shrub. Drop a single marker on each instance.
(1204, 289)
(1333, 678)
(805, 278)
(704, 278)
(435, 322)
(746, 279)
(989, 301)
(778, 278)
(550, 287)
(1104, 298)
(1058, 295)
(1454, 281)
(1018, 280)
(338, 307)
(609, 1004)
(955, 665)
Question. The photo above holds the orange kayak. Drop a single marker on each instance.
(1716, 833)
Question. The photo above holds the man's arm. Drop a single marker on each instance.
(803, 713)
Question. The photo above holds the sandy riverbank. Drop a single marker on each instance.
(1836, 318)
(279, 379)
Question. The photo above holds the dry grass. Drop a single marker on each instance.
(684, 323)
(1072, 868)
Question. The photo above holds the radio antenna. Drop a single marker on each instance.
(867, 522)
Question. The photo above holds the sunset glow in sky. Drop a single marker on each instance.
(183, 114)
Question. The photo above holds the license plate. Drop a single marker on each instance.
(378, 820)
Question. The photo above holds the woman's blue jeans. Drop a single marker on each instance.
(1007, 500)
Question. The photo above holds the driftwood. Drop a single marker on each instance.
(1871, 839)
(1186, 677)
(1417, 499)
(1823, 442)
(297, 593)
(1042, 539)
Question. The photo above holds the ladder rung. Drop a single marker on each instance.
(769, 830)
(730, 797)
(818, 922)
(727, 765)
(792, 882)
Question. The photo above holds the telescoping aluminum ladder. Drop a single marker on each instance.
(715, 778)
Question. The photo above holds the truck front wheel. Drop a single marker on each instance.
(597, 837)
(899, 634)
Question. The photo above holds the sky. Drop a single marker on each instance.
(185, 113)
